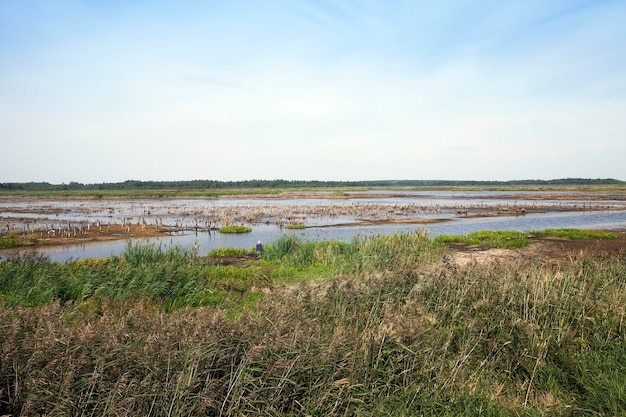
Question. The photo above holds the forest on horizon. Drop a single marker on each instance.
(279, 183)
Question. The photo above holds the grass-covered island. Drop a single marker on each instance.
(390, 325)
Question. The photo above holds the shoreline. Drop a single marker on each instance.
(31, 226)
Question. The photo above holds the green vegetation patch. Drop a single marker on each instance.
(577, 234)
(235, 229)
(13, 240)
(295, 226)
(487, 238)
(171, 278)
(515, 240)
(10, 241)
(361, 255)
(227, 252)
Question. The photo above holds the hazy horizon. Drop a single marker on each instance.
(521, 180)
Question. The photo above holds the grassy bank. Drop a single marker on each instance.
(514, 239)
(381, 326)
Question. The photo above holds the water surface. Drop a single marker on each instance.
(322, 216)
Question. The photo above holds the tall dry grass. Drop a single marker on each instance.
(385, 336)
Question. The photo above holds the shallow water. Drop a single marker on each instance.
(184, 212)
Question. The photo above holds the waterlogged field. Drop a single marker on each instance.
(90, 227)
(384, 325)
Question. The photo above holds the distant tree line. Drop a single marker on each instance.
(213, 184)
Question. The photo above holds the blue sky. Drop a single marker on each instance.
(106, 91)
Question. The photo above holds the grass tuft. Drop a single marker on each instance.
(235, 229)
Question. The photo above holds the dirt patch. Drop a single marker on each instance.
(93, 234)
(545, 248)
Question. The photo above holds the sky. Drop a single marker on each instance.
(95, 91)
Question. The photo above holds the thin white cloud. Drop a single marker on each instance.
(312, 90)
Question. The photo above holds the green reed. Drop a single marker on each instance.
(172, 278)
(229, 252)
(361, 254)
(394, 329)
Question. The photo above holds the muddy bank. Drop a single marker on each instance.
(124, 232)
(107, 233)
(543, 248)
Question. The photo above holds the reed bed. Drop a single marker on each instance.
(171, 278)
(392, 329)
